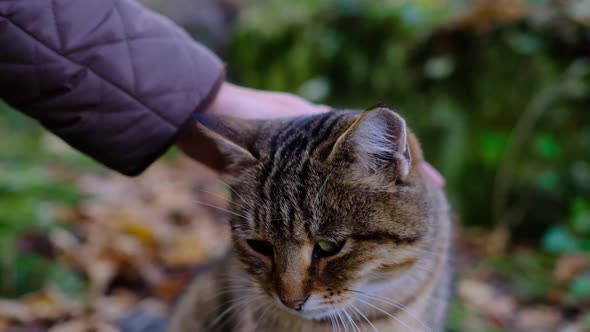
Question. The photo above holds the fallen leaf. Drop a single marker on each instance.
(475, 293)
(539, 319)
(15, 311)
(186, 250)
(83, 324)
(570, 265)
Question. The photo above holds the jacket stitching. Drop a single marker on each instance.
(36, 85)
(103, 79)
(192, 61)
(129, 54)
(112, 42)
(57, 30)
(162, 93)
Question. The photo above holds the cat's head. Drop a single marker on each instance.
(325, 207)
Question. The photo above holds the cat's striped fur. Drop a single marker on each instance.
(336, 227)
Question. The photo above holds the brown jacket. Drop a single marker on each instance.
(111, 78)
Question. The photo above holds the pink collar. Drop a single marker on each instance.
(433, 174)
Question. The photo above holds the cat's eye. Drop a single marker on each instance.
(327, 248)
(261, 247)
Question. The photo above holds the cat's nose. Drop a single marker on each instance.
(294, 304)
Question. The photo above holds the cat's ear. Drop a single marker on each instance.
(378, 142)
(232, 137)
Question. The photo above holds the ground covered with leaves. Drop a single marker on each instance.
(122, 245)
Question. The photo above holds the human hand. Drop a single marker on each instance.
(248, 103)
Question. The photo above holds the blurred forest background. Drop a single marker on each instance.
(498, 91)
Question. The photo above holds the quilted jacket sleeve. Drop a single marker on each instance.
(111, 78)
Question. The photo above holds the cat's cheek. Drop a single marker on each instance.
(258, 267)
(261, 266)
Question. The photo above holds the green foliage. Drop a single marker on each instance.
(461, 317)
(529, 272)
(501, 108)
(573, 236)
(586, 321)
(29, 194)
(580, 287)
(68, 281)
(29, 272)
(559, 239)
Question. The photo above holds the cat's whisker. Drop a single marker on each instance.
(388, 314)
(396, 304)
(442, 300)
(236, 303)
(226, 291)
(232, 189)
(238, 299)
(239, 277)
(355, 317)
(337, 317)
(404, 274)
(236, 291)
(347, 323)
(240, 282)
(237, 282)
(336, 322)
(354, 313)
(264, 312)
(331, 323)
(352, 323)
(400, 306)
(344, 319)
(423, 249)
(259, 319)
(432, 253)
(238, 286)
(364, 317)
(343, 322)
(433, 296)
(335, 326)
(223, 198)
(222, 209)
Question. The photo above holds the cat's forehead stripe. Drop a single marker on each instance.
(289, 179)
(268, 168)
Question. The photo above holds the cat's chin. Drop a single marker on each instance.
(318, 314)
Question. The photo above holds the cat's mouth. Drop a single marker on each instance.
(315, 312)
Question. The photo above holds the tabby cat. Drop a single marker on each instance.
(335, 227)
